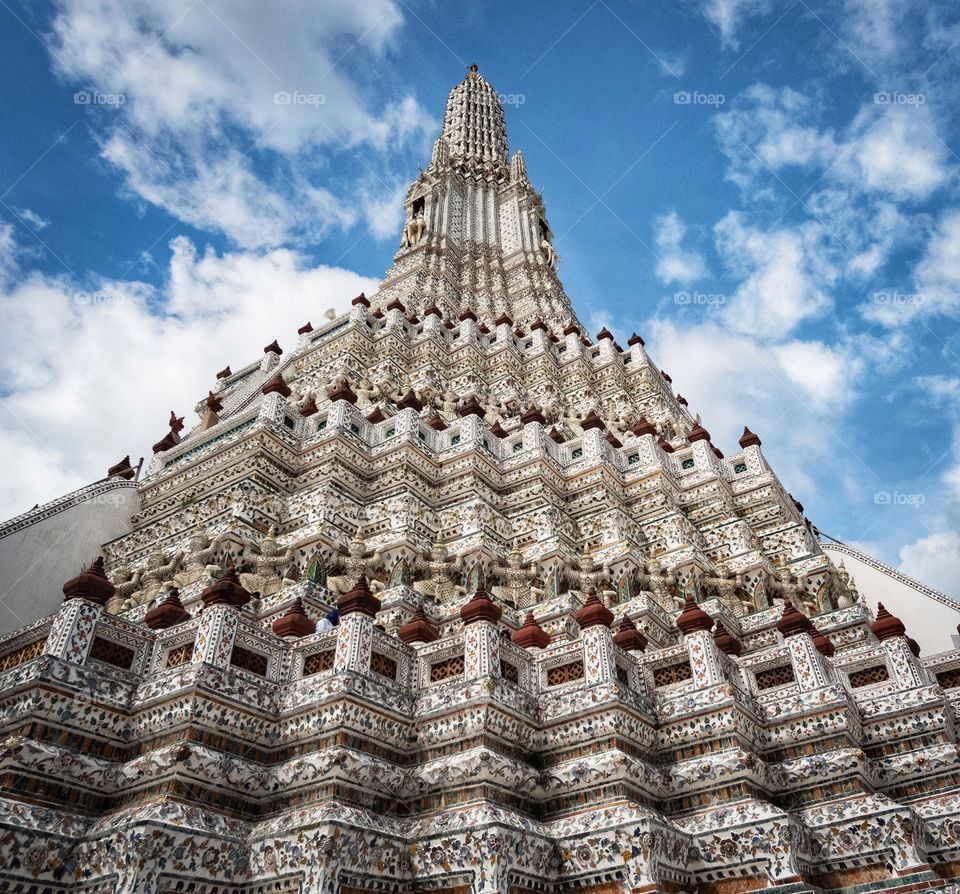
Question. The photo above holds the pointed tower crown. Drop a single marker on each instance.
(473, 124)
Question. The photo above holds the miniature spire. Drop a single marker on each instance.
(749, 439)
(480, 608)
(628, 637)
(593, 613)
(726, 641)
(531, 635)
(295, 622)
(693, 618)
(91, 584)
(887, 626)
(226, 591)
(419, 629)
(792, 622)
(698, 433)
(359, 599)
(168, 613)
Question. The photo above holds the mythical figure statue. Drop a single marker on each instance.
(125, 584)
(158, 572)
(413, 231)
(786, 585)
(270, 564)
(440, 571)
(201, 556)
(550, 253)
(353, 565)
(518, 588)
(730, 590)
(660, 585)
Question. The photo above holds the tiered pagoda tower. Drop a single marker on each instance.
(578, 648)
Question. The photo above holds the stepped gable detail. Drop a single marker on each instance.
(562, 642)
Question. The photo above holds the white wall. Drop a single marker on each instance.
(42, 549)
(930, 617)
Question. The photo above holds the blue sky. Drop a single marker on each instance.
(767, 191)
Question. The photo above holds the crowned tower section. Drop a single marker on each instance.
(476, 236)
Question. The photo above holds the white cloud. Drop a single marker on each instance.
(792, 394)
(783, 276)
(895, 151)
(887, 150)
(935, 288)
(250, 110)
(676, 264)
(104, 367)
(935, 561)
(728, 16)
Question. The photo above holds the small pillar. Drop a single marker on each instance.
(481, 650)
(358, 609)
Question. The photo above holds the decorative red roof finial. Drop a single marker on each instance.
(226, 591)
(342, 391)
(726, 641)
(698, 433)
(273, 348)
(749, 439)
(168, 613)
(418, 629)
(592, 420)
(531, 635)
(593, 613)
(693, 618)
(628, 637)
(277, 385)
(643, 427)
(887, 626)
(359, 599)
(792, 621)
(91, 584)
(480, 608)
(295, 622)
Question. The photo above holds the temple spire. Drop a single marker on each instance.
(473, 123)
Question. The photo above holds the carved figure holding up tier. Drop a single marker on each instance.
(660, 585)
(270, 565)
(518, 588)
(353, 565)
(158, 572)
(414, 230)
(124, 584)
(441, 570)
(201, 561)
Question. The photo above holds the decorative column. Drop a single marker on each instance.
(596, 639)
(358, 608)
(797, 630)
(696, 624)
(481, 645)
(533, 422)
(84, 600)
(592, 440)
(359, 309)
(903, 650)
(218, 624)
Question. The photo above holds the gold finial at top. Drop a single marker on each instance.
(473, 70)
